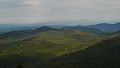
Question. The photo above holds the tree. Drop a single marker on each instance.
(20, 65)
(4, 66)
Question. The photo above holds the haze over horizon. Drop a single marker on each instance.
(57, 11)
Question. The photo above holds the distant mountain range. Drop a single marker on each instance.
(98, 28)
(14, 27)
(85, 29)
(107, 27)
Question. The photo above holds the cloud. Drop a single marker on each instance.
(32, 2)
(58, 10)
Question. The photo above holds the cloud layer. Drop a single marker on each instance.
(34, 11)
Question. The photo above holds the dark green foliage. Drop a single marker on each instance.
(20, 65)
(4, 66)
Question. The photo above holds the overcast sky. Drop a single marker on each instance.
(40, 11)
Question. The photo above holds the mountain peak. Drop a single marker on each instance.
(103, 24)
(44, 27)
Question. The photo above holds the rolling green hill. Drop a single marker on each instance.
(45, 45)
(60, 41)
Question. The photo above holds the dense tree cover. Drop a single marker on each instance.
(102, 55)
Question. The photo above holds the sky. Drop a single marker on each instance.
(42, 11)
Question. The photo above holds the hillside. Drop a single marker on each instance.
(102, 55)
(47, 44)
(13, 36)
(23, 33)
(70, 39)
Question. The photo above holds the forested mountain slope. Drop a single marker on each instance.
(102, 55)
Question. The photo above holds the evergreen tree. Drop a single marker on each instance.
(4, 66)
(20, 65)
